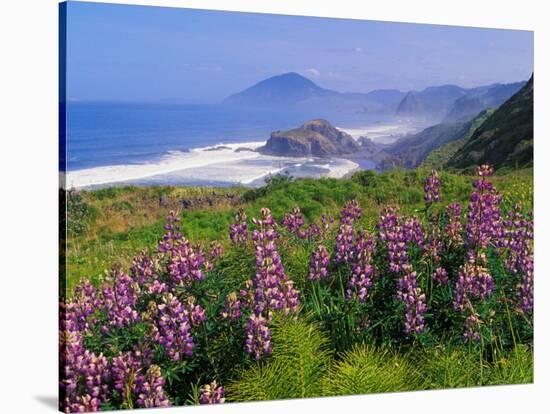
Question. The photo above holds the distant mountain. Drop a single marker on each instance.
(410, 106)
(412, 150)
(463, 108)
(432, 102)
(446, 103)
(481, 98)
(317, 138)
(450, 103)
(505, 139)
(289, 88)
(296, 92)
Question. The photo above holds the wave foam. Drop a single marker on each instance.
(173, 161)
(221, 164)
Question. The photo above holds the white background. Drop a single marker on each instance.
(28, 202)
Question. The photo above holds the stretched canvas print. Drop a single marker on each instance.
(259, 207)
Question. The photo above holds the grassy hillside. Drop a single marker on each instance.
(442, 155)
(505, 139)
(110, 226)
(411, 151)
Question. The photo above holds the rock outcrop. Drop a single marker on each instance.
(317, 138)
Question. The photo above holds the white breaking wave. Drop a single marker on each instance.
(383, 133)
(173, 161)
(220, 163)
(341, 167)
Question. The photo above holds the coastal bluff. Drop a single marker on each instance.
(316, 138)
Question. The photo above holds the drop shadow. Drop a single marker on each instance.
(49, 401)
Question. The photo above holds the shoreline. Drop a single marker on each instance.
(202, 166)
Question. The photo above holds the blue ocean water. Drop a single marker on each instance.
(116, 133)
(120, 134)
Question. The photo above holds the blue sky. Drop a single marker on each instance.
(140, 53)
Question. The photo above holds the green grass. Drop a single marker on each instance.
(120, 222)
(459, 367)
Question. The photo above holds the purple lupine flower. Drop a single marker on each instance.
(294, 220)
(83, 376)
(273, 289)
(144, 268)
(81, 404)
(119, 301)
(473, 282)
(472, 332)
(432, 245)
(516, 245)
(212, 394)
(216, 250)
(441, 276)
(453, 229)
(517, 239)
(238, 231)
(232, 307)
(195, 313)
(396, 238)
(85, 382)
(312, 231)
(414, 299)
(151, 389)
(525, 288)
(138, 386)
(157, 287)
(484, 170)
(484, 222)
(124, 367)
(187, 264)
(362, 268)
(350, 212)
(172, 233)
(413, 231)
(79, 311)
(258, 337)
(397, 232)
(344, 243)
(483, 227)
(432, 188)
(344, 238)
(144, 271)
(172, 328)
(320, 260)
(247, 295)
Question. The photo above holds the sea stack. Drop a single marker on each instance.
(316, 138)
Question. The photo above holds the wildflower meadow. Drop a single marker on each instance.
(310, 303)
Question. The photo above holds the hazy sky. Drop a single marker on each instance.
(139, 53)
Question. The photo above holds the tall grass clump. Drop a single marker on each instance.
(299, 360)
(367, 369)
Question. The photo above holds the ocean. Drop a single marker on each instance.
(163, 144)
